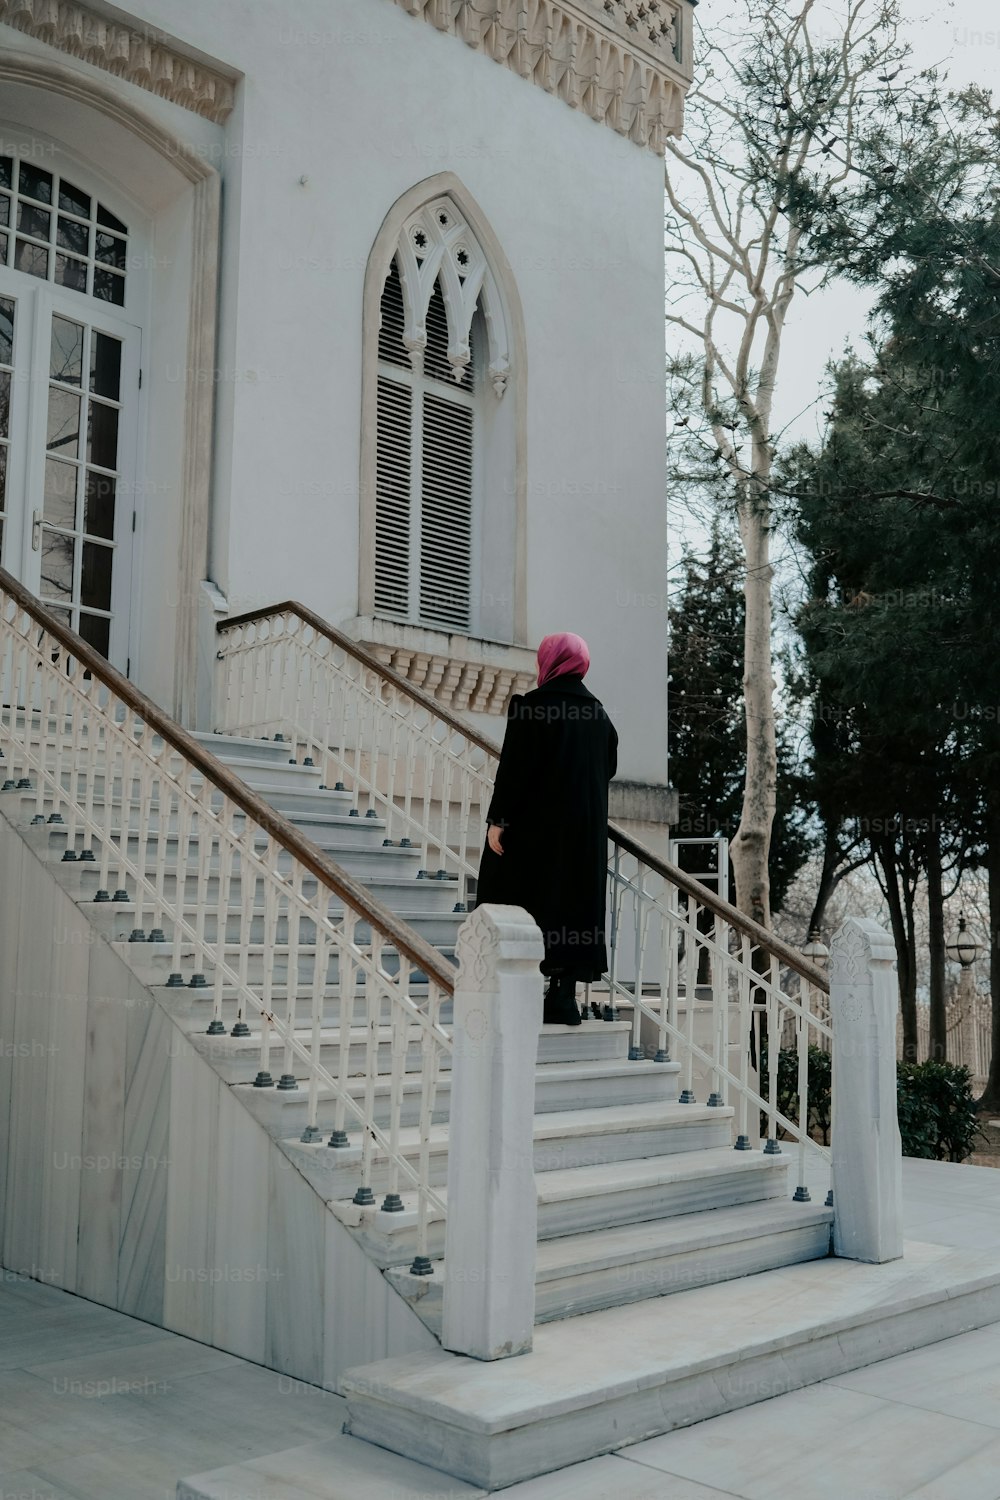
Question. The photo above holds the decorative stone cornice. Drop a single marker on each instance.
(142, 57)
(626, 63)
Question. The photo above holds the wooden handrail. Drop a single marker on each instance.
(677, 877)
(351, 891)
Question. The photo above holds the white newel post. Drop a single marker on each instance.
(865, 1142)
(490, 1237)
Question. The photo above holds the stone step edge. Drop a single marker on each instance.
(596, 1250)
(544, 1073)
(602, 1381)
(564, 1184)
(612, 1119)
(330, 1035)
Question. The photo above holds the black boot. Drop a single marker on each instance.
(561, 1008)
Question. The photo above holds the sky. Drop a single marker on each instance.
(962, 37)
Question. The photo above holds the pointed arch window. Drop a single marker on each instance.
(442, 356)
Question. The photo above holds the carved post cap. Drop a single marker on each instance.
(857, 943)
(495, 935)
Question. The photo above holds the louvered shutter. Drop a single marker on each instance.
(446, 513)
(392, 497)
(425, 450)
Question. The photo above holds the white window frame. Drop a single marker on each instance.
(500, 454)
(420, 385)
(94, 315)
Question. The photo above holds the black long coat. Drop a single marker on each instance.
(551, 799)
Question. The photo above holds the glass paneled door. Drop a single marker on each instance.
(70, 534)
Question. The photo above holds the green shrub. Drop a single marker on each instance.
(788, 1090)
(934, 1103)
(937, 1110)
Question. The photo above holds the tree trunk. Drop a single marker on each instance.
(886, 855)
(751, 845)
(827, 879)
(938, 1046)
(909, 999)
(991, 1096)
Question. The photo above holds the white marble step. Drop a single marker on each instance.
(117, 921)
(154, 962)
(563, 1139)
(637, 1190)
(311, 800)
(270, 773)
(265, 773)
(558, 1086)
(237, 1059)
(581, 1273)
(359, 857)
(327, 831)
(603, 1195)
(239, 747)
(599, 1382)
(195, 1006)
(301, 799)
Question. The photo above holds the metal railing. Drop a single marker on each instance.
(698, 977)
(224, 882)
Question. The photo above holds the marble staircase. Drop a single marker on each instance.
(638, 1195)
(674, 1276)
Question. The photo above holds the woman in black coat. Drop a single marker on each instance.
(547, 840)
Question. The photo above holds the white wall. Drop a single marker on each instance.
(365, 101)
(132, 1175)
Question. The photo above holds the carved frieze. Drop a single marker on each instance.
(133, 53)
(626, 63)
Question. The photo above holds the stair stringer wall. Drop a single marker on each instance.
(132, 1175)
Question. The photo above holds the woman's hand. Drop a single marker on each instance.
(493, 836)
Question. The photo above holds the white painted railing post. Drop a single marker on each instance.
(867, 1160)
(490, 1237)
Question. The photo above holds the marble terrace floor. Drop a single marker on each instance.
(98, 1406)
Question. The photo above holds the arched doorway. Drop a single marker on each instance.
(70, 350)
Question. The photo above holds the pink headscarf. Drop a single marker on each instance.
(561, 656)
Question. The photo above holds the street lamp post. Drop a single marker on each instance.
(964, 950)
(816, 950)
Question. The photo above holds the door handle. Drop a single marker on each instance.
(36, 531)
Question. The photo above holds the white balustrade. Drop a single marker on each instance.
(288, 944)
(720, 979)
(714, 979)
(286, 672)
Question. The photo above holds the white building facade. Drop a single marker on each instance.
(358, 304)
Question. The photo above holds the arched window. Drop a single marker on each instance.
(69, 375)
(442, 370)
(59, 232)
(426, 483)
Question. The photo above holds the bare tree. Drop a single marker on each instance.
(780, 90)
